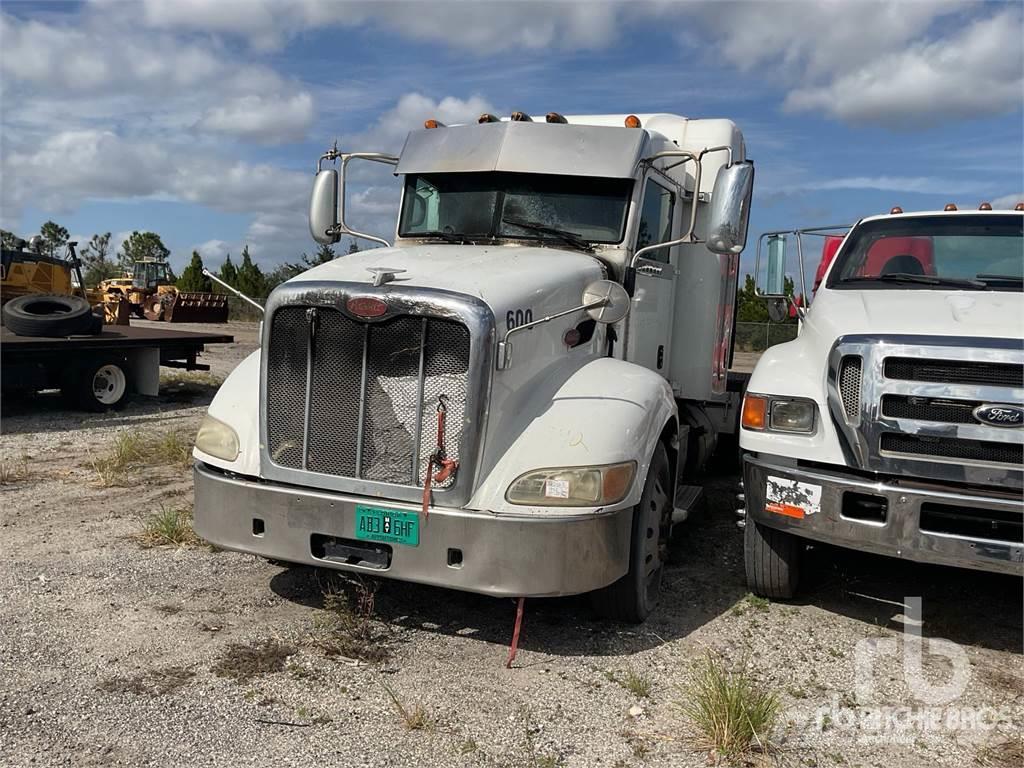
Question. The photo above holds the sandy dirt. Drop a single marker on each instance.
(115, 653)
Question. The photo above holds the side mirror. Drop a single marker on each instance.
(730, 209)
(323, 207)
(775, 270)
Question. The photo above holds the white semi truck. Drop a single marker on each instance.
(894, 422)
(505, 399)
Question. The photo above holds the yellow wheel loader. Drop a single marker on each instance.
(150, 293)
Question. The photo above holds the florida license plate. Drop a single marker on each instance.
(387, 525)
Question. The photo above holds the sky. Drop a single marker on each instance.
(202, 120)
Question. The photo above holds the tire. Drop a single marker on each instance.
(632, 598)
(153, 308)
(99, 386)
(772, 559)
(48, 315)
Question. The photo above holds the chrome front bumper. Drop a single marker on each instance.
(908, 529)
(500, 555)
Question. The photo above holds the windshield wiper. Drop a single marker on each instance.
(571, 238)
(906, 277)
(1010, 279)
(449, 237)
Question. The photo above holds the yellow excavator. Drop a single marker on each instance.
(24, 269)
(149, 292)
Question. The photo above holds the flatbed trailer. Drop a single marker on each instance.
(99, 371)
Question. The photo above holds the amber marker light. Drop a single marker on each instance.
(616, 480)
(632, 121)
(950, 207)
(894, 210)
(985, 207)
(755, 412)
(432, 124)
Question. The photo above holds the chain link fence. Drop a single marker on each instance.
(757, 337)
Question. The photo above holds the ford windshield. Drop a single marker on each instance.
(965, 252)
(569, 210)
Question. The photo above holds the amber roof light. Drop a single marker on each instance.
(554, 117)
(985, 207)
(895, 209)
(487, 117)
(521, 117)
(433, 123)
(1019, 207)
(950, 207)
(632, 121)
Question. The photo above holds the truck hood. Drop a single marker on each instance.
(990, 314)
(506, 277)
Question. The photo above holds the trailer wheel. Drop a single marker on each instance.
(100, 385)
(772, 560)
(632, 598)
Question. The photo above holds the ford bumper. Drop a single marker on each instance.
(928, 523)
(500, 555)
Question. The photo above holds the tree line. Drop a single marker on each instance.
(100, 262)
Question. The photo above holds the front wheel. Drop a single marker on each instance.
(772, 559)
(632, 598)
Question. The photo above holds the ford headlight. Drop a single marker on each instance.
(573, 486)
(217, 439)
(778, 414)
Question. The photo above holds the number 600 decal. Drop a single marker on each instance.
(516, 317)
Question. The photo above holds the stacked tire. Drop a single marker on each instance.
(54, 316)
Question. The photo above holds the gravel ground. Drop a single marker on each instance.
(110, 650)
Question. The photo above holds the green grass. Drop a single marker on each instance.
(14, 471)
(346, 627)
(131, 451)
(168, 526)
(415, 718)
(640, 684)
(731, 711)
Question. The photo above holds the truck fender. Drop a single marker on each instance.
(606, 412)
(237, 404)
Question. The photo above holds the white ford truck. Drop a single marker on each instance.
(894, 422)
(506, 398)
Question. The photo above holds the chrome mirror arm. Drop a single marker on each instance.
(331, 155)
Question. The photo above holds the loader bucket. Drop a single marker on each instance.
(198, 308)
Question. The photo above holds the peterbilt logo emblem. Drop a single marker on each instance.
(1000, 415)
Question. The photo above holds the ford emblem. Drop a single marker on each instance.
(1000, 415)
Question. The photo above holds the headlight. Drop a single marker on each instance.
(573, 486)
(217, 439)
(778, 414)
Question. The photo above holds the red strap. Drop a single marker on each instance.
(515, 634)
(426, 488)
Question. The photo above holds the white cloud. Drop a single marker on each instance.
(388, 133)
(921, 184)
(1008, 201)
(262, 118)
(977, 73)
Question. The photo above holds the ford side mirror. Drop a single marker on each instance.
(323, 207)
(730, 209)
(775, 268)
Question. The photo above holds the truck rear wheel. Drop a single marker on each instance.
(632, 598)
(99, 385)
(772, 560)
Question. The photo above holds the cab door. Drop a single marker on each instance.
(649, 340)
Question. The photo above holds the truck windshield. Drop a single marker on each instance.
(982, 252)
(568, 209)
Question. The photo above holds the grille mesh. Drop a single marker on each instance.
(849, 385)
(930, 409)
(392, 409)
(953, 448)
(955, 371)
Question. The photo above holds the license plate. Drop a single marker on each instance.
(387, 525)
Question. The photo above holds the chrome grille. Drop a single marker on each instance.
(930, 409)
(913, 411)
(955, 371)
(373, 392)
(849, 386)
(953, 448)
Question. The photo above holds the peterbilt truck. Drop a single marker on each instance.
(508, 397)
(894, 422)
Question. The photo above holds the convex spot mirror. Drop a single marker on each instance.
(775, 269)
(730, 209)
(610, 298)
(323, 207)
(778, 309)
